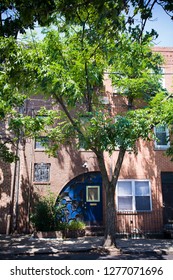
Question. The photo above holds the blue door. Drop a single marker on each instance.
(82, 198)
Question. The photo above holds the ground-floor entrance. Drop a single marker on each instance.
(167, 190)
(82, 197)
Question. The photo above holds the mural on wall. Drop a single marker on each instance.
(82, 198)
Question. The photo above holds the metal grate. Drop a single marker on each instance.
(41, 172)
(139, 223)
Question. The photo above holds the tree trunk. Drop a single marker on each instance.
(109, 187)
(110, 226)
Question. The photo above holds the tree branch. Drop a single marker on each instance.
(145, 21)
(101, 162)
(118, 166)
(88, 96)
(60, 101)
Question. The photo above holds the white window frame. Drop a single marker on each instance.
(132, 181)
(87, 193)
(161, 147)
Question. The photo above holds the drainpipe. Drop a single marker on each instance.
(17, 194)
(11, 219)
(29, 200)
(29, 177)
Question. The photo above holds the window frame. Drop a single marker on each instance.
(41, 148)
(161, 147)
(87, 193)
(41, 181)
(134, 210)
(163, 77)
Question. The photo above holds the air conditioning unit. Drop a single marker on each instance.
(104, 100)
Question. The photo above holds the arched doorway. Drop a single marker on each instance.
(82, 197)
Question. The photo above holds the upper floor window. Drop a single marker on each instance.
(133, 195)
(39, 142)
(42, 172)
(162, 137)
(163, 77)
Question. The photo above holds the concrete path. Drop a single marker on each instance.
(27, 245)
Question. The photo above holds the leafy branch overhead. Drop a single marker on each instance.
(63, 67)
(87, 41)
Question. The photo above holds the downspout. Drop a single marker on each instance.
(11, 223)
(17, 193)
(17, 183)
(14, 207)
(29, 175)
(29, 200)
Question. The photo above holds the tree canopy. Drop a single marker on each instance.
(15, 17)
(18, 15)
(100, 23)
(68, 68)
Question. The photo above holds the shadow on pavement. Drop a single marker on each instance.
(88, 248)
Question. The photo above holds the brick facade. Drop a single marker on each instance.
(147, 164)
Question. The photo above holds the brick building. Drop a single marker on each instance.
(144, 194)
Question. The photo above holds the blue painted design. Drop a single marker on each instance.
(73, 195)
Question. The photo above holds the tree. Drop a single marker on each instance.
(106, 17)
(109, 12)
(15, 17)
(10, 100)
(69, 67)
(18, 15)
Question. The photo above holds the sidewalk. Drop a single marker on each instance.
(27, 245)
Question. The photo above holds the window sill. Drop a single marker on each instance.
(161, 148)
(133, 212)
(39, 150)
(83, 150)
(41, 183)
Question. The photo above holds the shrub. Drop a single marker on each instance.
(47, 216)
(76, 225)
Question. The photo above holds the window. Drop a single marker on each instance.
(44, 121)
(162, 137)
(39, 142)
(93, 194)
(163, 77)
(42, 172)
(133, 195)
